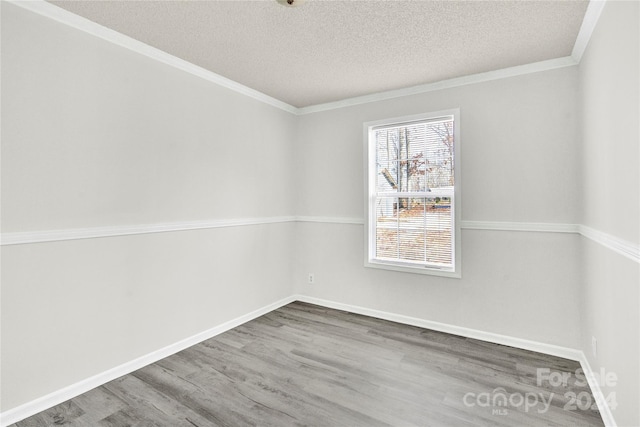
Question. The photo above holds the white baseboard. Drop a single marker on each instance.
(598, 395)
(45, 402)
(38, 405)
(553, 350)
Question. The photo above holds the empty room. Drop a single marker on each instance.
(320, 213)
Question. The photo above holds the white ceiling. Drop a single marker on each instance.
(325, 51)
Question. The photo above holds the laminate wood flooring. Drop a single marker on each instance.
(308, 365)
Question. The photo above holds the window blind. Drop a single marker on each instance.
(414, 192)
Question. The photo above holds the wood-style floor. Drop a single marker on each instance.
(307, 365)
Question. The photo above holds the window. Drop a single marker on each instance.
(413, 194)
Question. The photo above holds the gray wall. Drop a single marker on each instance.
(97, 136)
(518, 157)
(609, 87)
(94, 135)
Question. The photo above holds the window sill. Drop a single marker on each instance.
(382, 265)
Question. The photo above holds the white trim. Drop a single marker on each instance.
(27, 237)
(63, 16)
(330, 219)
(371, 194)
(596, 391)
(56, 13)
(45, 402)
(551, 349)
(503, 73)
(591, 16)
(418, 269)
(623, 247)
(620, 246)
(520, 226)
(545, 227)
(19, 238)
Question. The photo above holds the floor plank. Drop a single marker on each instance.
(308, 365)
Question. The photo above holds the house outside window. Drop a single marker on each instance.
(413, 194)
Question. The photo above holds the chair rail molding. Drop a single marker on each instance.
(26, 237)
(623, 247)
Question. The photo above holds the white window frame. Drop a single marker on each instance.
(370, 172)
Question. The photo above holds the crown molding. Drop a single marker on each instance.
(63, 16)
(56, 13)
(594, 9)
(488, 76)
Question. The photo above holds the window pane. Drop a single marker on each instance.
(414, 229)
(386, 160)
(419, 178)
(411, 244)
(439, 247)
(386, 243)
(417, 158)
(411, 220)
(438, 222)
(387, 177)
(387, 227)
(439, 153)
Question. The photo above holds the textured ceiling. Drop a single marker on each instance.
(325, 51)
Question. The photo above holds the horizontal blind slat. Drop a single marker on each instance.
(414, 172)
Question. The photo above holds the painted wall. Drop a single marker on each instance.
(519, 164)
(94, 135)
(518, 140)
(609, 92)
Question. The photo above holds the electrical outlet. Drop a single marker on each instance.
(594, 346)
(312, 279)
